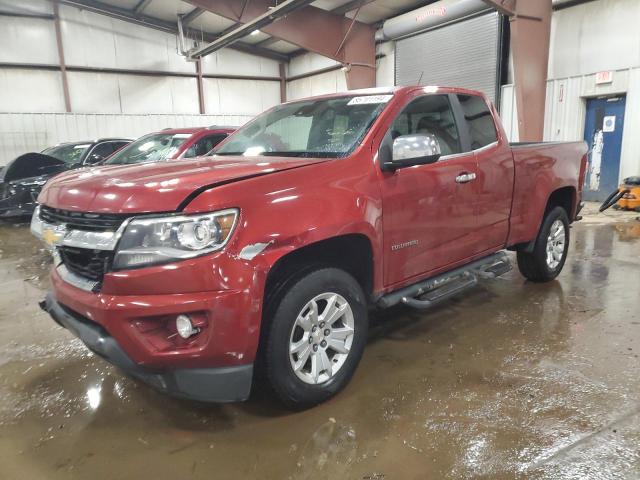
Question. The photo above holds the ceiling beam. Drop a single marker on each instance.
(164, 26)
(272, 15)
(41, 16)
(139, 8)
(506, 7)
(352, 5)
(350, 42)
(341, 10)
(191, 16)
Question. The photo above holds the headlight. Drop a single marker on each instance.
(151, 241)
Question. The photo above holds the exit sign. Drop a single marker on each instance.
(604, 77)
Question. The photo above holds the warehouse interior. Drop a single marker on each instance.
(510, 379)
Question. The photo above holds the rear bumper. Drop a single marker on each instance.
(222, 384)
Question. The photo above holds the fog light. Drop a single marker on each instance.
(184, 326)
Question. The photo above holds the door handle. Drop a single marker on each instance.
(465, 177)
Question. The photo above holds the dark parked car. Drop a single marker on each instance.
(22, 179)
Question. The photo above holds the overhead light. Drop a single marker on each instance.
(255, 32)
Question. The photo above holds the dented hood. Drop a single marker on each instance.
(154, 187)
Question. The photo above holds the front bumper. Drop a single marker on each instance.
(20, 202)
(222, 384)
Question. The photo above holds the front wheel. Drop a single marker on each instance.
(550, 250)
(316, 337)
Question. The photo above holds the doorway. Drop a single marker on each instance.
(603, 132)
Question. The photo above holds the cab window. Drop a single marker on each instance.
(204, 145)
(482, 128)
(431, 114)
(100, 152)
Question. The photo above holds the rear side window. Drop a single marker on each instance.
(480, 121)
(100, 152)
(431, 114)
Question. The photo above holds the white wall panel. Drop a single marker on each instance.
(140, 94)
(509, 112)
(92, 40)
(308, 62)
(184, 95)
(232, 62)
(566, 110)
(27, 40)
(30, 91)
(27, 132)
(32, 6)
(123, 93)
(94, 92)
(595, 36)
(385, 66)
(330, 82)
(630, 162)
(248, 97)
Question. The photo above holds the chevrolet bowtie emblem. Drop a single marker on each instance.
(53, 236)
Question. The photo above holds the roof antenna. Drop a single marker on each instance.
(420, 79)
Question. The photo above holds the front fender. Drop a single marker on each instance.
(291, 209)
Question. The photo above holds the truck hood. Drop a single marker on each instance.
(154, 187)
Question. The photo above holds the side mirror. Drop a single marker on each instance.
(410, 150)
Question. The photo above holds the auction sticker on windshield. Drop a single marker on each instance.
(369, 99)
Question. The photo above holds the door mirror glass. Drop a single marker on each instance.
(418, 149)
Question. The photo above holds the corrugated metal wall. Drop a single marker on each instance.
(464, 54)
(97, 41)
(566, 109)
(29, 132)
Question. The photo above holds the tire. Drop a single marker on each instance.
(538, 266)
(292, 325)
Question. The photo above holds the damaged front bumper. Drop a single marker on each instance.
(220, 384)
(17, 201)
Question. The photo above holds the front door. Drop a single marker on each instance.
(603, 132)
(429, 213)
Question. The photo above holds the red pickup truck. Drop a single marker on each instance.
(263, 260)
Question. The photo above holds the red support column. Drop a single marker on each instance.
(530, 40)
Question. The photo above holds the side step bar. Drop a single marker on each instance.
(426, 294)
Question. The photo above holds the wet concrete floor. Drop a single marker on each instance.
(511, 380)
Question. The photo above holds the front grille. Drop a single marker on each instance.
(95, 222)
(90, 264)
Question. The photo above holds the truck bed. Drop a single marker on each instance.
(540, 168)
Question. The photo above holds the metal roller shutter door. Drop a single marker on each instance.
(464, 54)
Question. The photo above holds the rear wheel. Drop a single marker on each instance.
(316, 337)
(549, 254)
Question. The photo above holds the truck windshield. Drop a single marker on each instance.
(328, 128)
(150, 148)
(70, 153)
